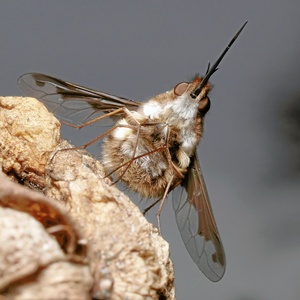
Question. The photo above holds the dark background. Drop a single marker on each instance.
(250, 150)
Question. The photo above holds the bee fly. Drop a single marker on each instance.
(151, 147)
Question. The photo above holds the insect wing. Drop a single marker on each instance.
(196, 223)
(71, 103)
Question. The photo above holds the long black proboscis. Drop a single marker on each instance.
(214, 68)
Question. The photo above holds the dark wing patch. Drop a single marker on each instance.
(197, 225)
(71, 103)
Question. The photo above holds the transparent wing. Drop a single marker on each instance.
(197, 225)
(71, 103)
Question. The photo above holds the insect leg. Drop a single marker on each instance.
(131, 160)
(114, 112)
(151, 206)
(117, 111)
(167, 190)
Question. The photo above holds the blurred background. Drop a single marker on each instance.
(250, 150)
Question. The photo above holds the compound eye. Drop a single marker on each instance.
(204, 105)
(180, 88)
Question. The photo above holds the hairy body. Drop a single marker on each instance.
(150, 149)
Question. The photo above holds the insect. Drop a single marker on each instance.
(151, 147)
